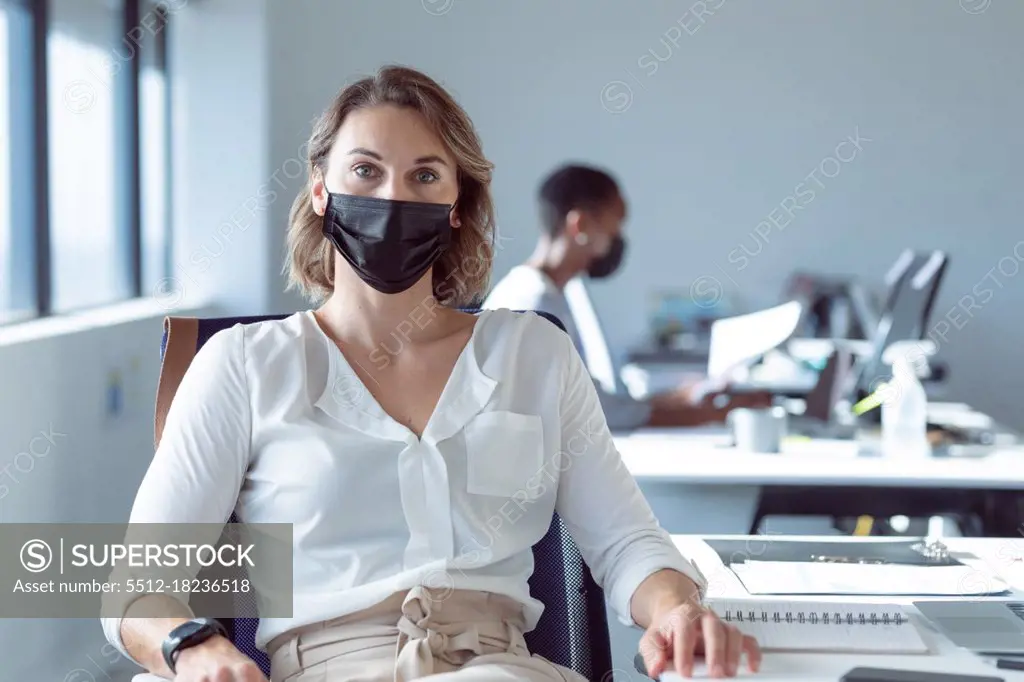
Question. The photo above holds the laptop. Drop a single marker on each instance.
(983, 627)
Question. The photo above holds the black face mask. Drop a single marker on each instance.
(607, 264)
(390, 244)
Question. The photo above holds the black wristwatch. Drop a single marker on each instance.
(187, 635)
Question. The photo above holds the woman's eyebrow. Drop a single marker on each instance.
(432, 158)
(365, 152)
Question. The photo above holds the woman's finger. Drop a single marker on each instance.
(715, 642)
(684, 641)
(654, 648)
(733, 650)
(753, 651)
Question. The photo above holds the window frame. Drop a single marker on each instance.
(35, 250)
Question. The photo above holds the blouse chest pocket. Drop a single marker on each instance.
(504, 451)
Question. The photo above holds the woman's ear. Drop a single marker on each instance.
(318, 195)
(454, 219)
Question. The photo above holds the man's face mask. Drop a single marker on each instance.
(606, 265)
(390, 244)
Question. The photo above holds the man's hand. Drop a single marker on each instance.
(725, 401)
(678, 635)
(716, 394)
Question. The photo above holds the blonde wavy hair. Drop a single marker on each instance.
(310, 262)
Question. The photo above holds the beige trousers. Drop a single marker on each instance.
(460, 636)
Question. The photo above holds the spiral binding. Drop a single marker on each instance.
(814, 618)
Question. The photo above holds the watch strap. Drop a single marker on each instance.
(189, 634)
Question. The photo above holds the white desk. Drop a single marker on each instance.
(673, 455)
(696, 483)
(992, 556)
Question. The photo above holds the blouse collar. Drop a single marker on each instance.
(346, 399)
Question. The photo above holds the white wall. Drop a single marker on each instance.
(222, 188)
(747, 102)
(65, 459)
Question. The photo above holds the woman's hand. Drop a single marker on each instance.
(216, 659)
(677, 635)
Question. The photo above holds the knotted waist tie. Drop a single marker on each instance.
(430, 625)
(453, 630)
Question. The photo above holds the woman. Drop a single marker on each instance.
(391, 429)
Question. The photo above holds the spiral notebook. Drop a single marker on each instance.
(823, 626)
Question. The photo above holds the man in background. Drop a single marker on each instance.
(582, 212)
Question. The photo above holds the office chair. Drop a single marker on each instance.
(573, 630)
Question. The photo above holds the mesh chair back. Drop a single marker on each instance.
(573, 631)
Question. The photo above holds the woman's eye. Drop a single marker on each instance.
(427, 176)
(364, 170)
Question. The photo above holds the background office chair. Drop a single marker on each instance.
(573, 630)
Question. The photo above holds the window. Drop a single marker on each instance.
(17, 289)
(85, 80)
(6, 251)
(87, 87)
(154, 133)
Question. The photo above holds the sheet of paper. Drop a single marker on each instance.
(735, 340)
(795, 577)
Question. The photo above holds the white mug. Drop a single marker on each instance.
(758, 430)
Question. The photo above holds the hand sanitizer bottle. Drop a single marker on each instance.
(905, 414)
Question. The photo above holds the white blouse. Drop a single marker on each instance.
(270, 422)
